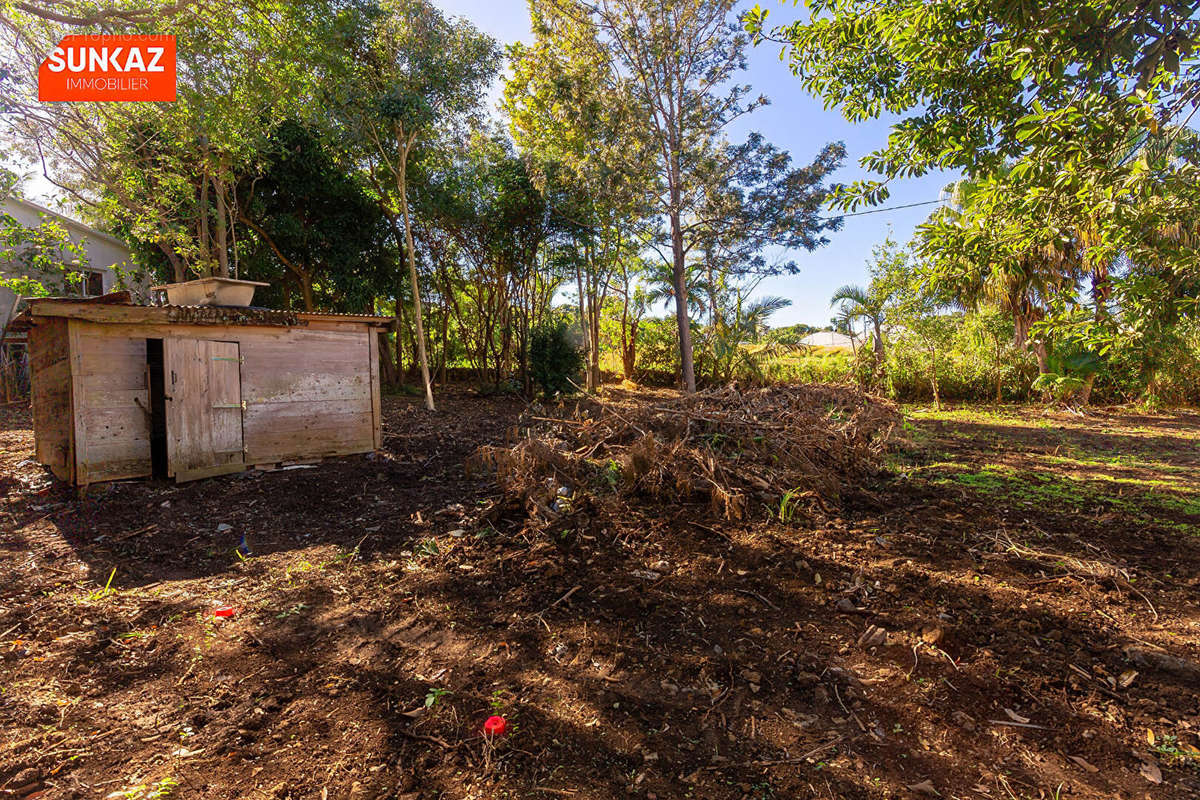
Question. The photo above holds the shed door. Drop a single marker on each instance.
(203, 387)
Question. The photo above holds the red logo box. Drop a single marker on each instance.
(109, 68)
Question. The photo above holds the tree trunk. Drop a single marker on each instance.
(385, 358)
(1043, 357)
(594, 352)
(679, 274)
(422, 356)
(401, 327)
(1085, 392)
(306, 291)
(933, 379)
(628, 338)
(202, 233)
(223, 232)
(178, 270)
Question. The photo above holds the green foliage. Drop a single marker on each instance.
(39, 260)
(319, 233)
(555, 361)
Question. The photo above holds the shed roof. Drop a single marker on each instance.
(117, 308)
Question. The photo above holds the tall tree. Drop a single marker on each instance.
(165, 172)
(419, 70)
(313, 217)
(1035, 103)
(677, 59)
(588, 151)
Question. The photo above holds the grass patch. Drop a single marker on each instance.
(1147, 499)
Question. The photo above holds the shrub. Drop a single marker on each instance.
(554, 360)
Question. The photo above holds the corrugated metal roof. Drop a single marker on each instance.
(193, 315)
(301, 314)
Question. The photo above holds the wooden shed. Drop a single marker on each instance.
(126, 391)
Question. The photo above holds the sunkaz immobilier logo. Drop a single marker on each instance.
(106, 68)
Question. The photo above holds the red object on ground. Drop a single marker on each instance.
(495, 726)
(223, 611)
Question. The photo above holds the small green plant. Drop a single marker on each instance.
(611, 474)
(162, 789)
(789, 504)
(497, 701)
(434, 695)
(100, 594)
(294, 610)
(428, 547)
(1169, 748)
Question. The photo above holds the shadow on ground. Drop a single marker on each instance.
(939, 636)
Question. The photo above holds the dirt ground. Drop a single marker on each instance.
(1011, 612)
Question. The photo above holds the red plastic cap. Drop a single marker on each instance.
(223, 611)
(495, 726)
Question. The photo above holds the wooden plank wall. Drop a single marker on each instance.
(204, 414)
(309, 392)
(50, 395)
(112, 403)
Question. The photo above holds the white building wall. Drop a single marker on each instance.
(104, 252)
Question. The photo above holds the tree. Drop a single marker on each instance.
(164, 173)
(1035, 105)
(40, 260)
(917, 308)
(79, 14)
(975, 253)
(589, 154)
(859, 303)
(315, 220)
(419, 70)
(676, 60)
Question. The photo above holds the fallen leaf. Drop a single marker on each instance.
(1151, 772)
(873, 636)
(1015, 717)
(924, 787)
(1150, 736)
(1126, 678)
(1083, 763)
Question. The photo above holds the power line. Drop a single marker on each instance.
(891, 208)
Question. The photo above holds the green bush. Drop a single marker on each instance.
(554, 360)
(657, 360)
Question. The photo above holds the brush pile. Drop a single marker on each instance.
(777, 451)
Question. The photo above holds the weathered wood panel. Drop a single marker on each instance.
(376, 411)
(50, 395)
(204, 407)
(112, 402)
(225, 394)
(308, 395)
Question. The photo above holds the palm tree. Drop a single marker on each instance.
(859, 303)
(1020, 282)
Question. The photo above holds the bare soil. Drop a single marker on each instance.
(1009, 611)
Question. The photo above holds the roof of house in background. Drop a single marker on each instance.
(829, 339)
(86, 230)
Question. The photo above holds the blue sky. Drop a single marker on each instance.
(797, 122)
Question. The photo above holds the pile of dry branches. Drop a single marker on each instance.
(778, 451)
